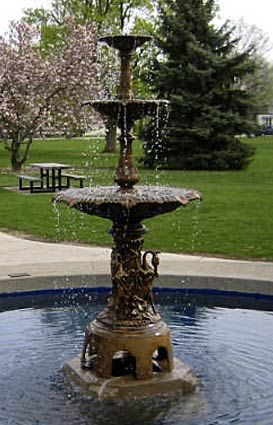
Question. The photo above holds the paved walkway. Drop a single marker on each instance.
(21, 256)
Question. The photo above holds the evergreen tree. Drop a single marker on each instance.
(201, 73)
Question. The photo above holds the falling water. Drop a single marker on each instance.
(196, 231)
(57, 223)
(87, 163)
(103, 387)
(108, 72)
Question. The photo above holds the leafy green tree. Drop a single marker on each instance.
(200, 72)
(259, 83)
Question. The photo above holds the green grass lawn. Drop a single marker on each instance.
(234, 219)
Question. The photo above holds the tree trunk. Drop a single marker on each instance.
(16, 164)
(110, 137)
(18, 158)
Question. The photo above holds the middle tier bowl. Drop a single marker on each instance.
(132, 205)
(128, 110)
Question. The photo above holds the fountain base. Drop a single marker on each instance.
(126, 362)
(180, 379)
(136, 350)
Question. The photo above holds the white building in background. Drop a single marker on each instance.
(265, 120)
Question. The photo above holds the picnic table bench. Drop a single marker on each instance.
(31, 180)
(76, 177)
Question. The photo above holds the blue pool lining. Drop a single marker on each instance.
(157, 290)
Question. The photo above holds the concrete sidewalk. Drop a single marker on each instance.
(23, 256)
(20, 257)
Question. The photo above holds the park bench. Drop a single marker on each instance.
(31, 180)
(75, 177)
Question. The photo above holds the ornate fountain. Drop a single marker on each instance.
(127, 349)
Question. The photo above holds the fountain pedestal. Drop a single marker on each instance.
(129, 335)
(131, 350)
(127, 349)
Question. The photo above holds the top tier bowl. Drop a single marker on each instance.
(125, 43)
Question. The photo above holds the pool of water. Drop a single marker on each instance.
(230, 350)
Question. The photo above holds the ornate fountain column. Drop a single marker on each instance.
(132, 278)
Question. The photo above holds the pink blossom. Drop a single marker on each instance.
(38, 91)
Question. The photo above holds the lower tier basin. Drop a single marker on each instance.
(225, 339)
(127, 205)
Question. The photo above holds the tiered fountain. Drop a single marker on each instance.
(127, 349)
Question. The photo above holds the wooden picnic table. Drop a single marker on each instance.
(50, 175)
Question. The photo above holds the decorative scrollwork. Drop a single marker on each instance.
(132, 280)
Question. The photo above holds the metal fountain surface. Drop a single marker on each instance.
(128, 339)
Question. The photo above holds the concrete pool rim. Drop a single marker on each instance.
(29, 266)
(213, 285)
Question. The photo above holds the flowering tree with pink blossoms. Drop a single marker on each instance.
(40, 91)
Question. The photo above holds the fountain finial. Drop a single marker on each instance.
(125, 43)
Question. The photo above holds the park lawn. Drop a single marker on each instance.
(234, 219)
